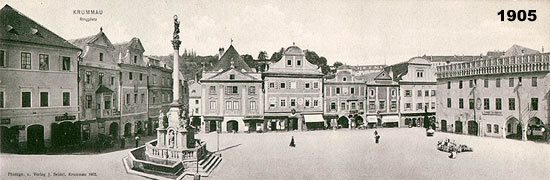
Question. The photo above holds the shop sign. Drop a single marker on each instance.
(65, 117)
(492, 113)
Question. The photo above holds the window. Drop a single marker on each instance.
(418, 106)
(130, 76)
(371, 92)
(252, 90)
(316, 103)
(135, 59)
(498, 104)
(140, 77)
(271, 85)
(135, 98)
(127, 98)
(427, 93)
(433, 92)
(393, 105)
(196, 101)
(88, 77)
(307, 102)
(519, 81)
(535, 104)
(107, 103)
(289, 62)
(89, 101)
(382, 104)
(307, 85)
(100, 56)
(461, 103)
(433, 105)
(212, 90)
(66, 63)
(372, 106)
(293, 102)
(407, 93)
(101, 78)
(154, 98)
(142, 98)
(25, 60)
(299, 62)
(460, 84)
(333, 106)
(345, 90)
(489, 128)
(212, 104)
(2, 99)
(316, 85)
(407, 105)
(231, 76)
(497, 83)
(496, 128)
(486, 104)
(472, 103)
(337, 90)
(534, 81)
(419, 73)
(511, 104)
(344, 79)
(25, 99)
(419, 93)
(112, 80)
(448, 84)
(352, 91)
(236, 105)
(283, 85)
(449, 102)
(471, 83)
(2, 58)
(342, 106)
(252, 105)
(232, 90)
(283, 102)
(228, 105)
(44, 62)
(511, 82)
(43, 99)
(486, 83)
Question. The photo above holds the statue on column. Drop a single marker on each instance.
(161, 119)
(176, 28)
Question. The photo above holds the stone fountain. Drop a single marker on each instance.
(175, 153)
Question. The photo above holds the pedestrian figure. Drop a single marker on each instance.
(137, 141)
(122, 143)
(453, 152)
(376, 136)
(292, 142)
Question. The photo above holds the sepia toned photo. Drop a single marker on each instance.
(274, 89)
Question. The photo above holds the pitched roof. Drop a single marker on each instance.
(15, 26)
(82, 42)
(454, 58)
(517, 50)
(231, 58)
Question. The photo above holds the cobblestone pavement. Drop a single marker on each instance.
(341, 154)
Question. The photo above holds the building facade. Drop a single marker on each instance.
(344, 99)
(232, 96)
(468, 103)
(38, 85)
(133, 90)
(382, 100)
(195, 103)
(98, 88)
(293, 93)
(417, 83)
(159, 86)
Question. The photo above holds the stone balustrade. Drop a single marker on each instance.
(175, 154)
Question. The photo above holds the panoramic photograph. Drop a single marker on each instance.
(274, 89)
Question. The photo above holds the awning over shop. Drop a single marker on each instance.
(314, 118)
(390, 118)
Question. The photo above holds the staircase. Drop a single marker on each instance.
(206, 165)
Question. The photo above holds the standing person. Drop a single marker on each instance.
(292, 142)
(137, 141)
(376, 136)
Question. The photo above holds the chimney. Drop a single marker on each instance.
(221, 50)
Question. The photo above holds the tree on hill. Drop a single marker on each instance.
(277, 55)
(337, 64)
(262, 55)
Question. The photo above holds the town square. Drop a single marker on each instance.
(266, 90)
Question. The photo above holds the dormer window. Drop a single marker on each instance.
(289, 62)
(35, 32)
(100, 56)
(231, 76)
(299, 62)
(11, 29)
(344, 79)
(135, 59)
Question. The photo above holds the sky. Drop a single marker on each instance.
(355, 32)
